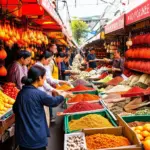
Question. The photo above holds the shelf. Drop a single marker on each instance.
(139, 71)
(140, 59)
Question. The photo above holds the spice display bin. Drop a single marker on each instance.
(66, 136)
(128, 119)
(118, 131)
(103, 113)
(83, 92)
(86, 92)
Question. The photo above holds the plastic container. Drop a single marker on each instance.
(143, 118)
(94, 92)
(103, 113)
(74, 134)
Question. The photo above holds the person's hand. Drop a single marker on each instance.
(113, 69)
(66, 94)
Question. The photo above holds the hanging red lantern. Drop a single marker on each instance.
(3, 71)
(3, 54)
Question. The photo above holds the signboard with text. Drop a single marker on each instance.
(138, 13)
(115, 25)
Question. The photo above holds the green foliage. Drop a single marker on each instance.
(79, 29)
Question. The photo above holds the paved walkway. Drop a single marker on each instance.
(56, 141)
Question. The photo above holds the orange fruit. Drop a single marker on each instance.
(145, 133)
(146, 127)
(139, 128)
(137, 131)
(147, 138)
(147, 145)
(140, 137)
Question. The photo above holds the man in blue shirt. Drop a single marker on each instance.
(91, 58)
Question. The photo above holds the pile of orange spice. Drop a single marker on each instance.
(63, 87)
(83, 97)
(98, 141)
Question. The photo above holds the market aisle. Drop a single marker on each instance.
(57, 133)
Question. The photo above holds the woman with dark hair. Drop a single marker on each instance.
(65, 71)
(44, 60)
(18, 68)
(31, 130)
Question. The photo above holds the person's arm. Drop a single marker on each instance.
(54, 101)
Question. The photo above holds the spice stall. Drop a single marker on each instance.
(26, 24)
(127, 97)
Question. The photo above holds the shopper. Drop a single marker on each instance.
(117, 64)
(44, 60)
(31, 129)
(18, 68)
(54, 70)
(91, 58)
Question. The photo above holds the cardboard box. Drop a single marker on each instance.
(6, 123)
(118, 131)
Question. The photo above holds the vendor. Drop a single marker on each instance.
(91, 58)
(65, 71)
(117, 64)
(18, 68)
(31, 129)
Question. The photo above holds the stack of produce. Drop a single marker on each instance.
(142, 66)
(83, 106)
(143, 111)
(64, 87)
(10, 89)
(83, 97)
(119, 89)
(106, 79)
(81, 88)
(89, 121)
(134, 91)
(98, 141)
(89, 69)
(6, 102)
(115, 81)
(118, 107)
(79, 82)
(143, 133)
(103, 75)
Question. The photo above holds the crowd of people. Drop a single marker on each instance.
(38, 93)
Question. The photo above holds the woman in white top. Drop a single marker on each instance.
(44, 60)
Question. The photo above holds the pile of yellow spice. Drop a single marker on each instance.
(89, 121)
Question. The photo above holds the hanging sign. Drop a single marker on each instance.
(48, 6)
(138, 13)
(115, 25)
(57, 35)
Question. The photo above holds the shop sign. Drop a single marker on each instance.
(48, 6)
(57, 35)
(115, 25)
(138, 13)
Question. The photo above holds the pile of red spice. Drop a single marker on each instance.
(83, 106)
(135, 91)
(115, 81)
(81, 88)
(103, 75)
